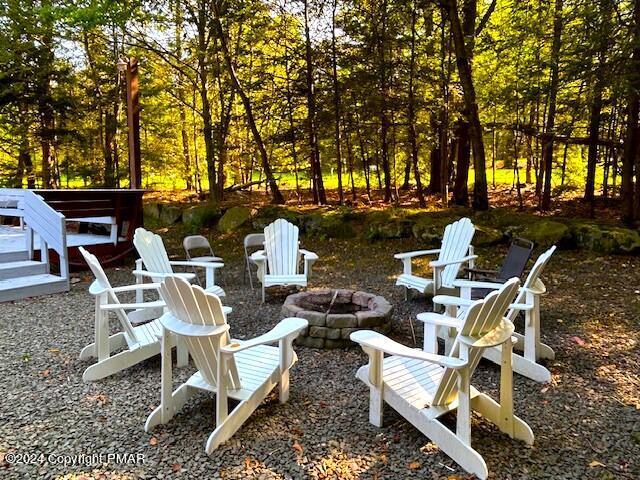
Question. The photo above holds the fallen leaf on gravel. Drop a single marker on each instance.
(54, 350)
(414, 465)
(153, 441)
(595, 463)
(579, 341)
(45, 373)
(297, 447)
(100, 398)
(175, 467)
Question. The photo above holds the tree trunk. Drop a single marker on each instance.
(480, 195)
(594, 134)
(336, 101)
(184, 137)
(411, 114)
(319, 196)
(292, 126)
(384, 93)
(547, 147)
(595, 109)
(631, 158)
(463, 160)
(275, 191)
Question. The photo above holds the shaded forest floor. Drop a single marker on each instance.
(569, 204)
(586, 422)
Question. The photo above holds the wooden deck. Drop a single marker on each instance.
(53, 223)
(13, 239)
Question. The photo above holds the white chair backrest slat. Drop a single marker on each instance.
(191, 304)
(281, 247)
(479, 319)
(455, 244)
(103, 281)
(152, 251)
(532, 279)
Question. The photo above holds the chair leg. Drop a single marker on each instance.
(263, 293)
(430, 341)
(117, 363)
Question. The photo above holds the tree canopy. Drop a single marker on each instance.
(441, 98)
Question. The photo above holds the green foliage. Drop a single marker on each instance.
(60, 57)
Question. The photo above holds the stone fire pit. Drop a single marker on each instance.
(334, 314)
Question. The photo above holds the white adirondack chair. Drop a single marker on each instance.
(242, 370)
(279, 262)
(154, 258)
(527, 301)
(456, 249)
(423, 386)
(136, 342)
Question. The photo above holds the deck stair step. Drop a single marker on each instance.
(21, 268)
(14, 256)
(31, 286)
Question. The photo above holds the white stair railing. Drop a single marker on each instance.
(50, 226)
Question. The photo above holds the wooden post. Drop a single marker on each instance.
(130, 67)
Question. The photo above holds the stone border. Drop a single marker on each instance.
(333, 330)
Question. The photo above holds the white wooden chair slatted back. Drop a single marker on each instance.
(455, 244)
(479, 319)
(152, 251)
(532, 280)
(191, 304)
(103, 282)
(282, 248)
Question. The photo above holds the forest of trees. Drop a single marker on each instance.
(432, 97)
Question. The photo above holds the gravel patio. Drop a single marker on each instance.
(586, 422)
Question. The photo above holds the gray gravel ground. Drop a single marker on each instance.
(586, 423)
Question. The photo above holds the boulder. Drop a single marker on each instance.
(201, 215)
(234, 218)
(428, 232)
(151, 210)
(270, 213)
(329, 225)
(170, 214)
(543, 233)
(604, 239)
(384, 227)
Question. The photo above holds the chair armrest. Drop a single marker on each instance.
(377, 341)
(417, 253)
(285, 328)
(495, 337)
(444, 263)
(139, 286)
(308, 255)
(523, 307)
(438, 319)
(174, 325)
(190, 263)
(132, 306)
(258, 256)
(461, 283)
(147, 273)
(452, 301)
(481, 271)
